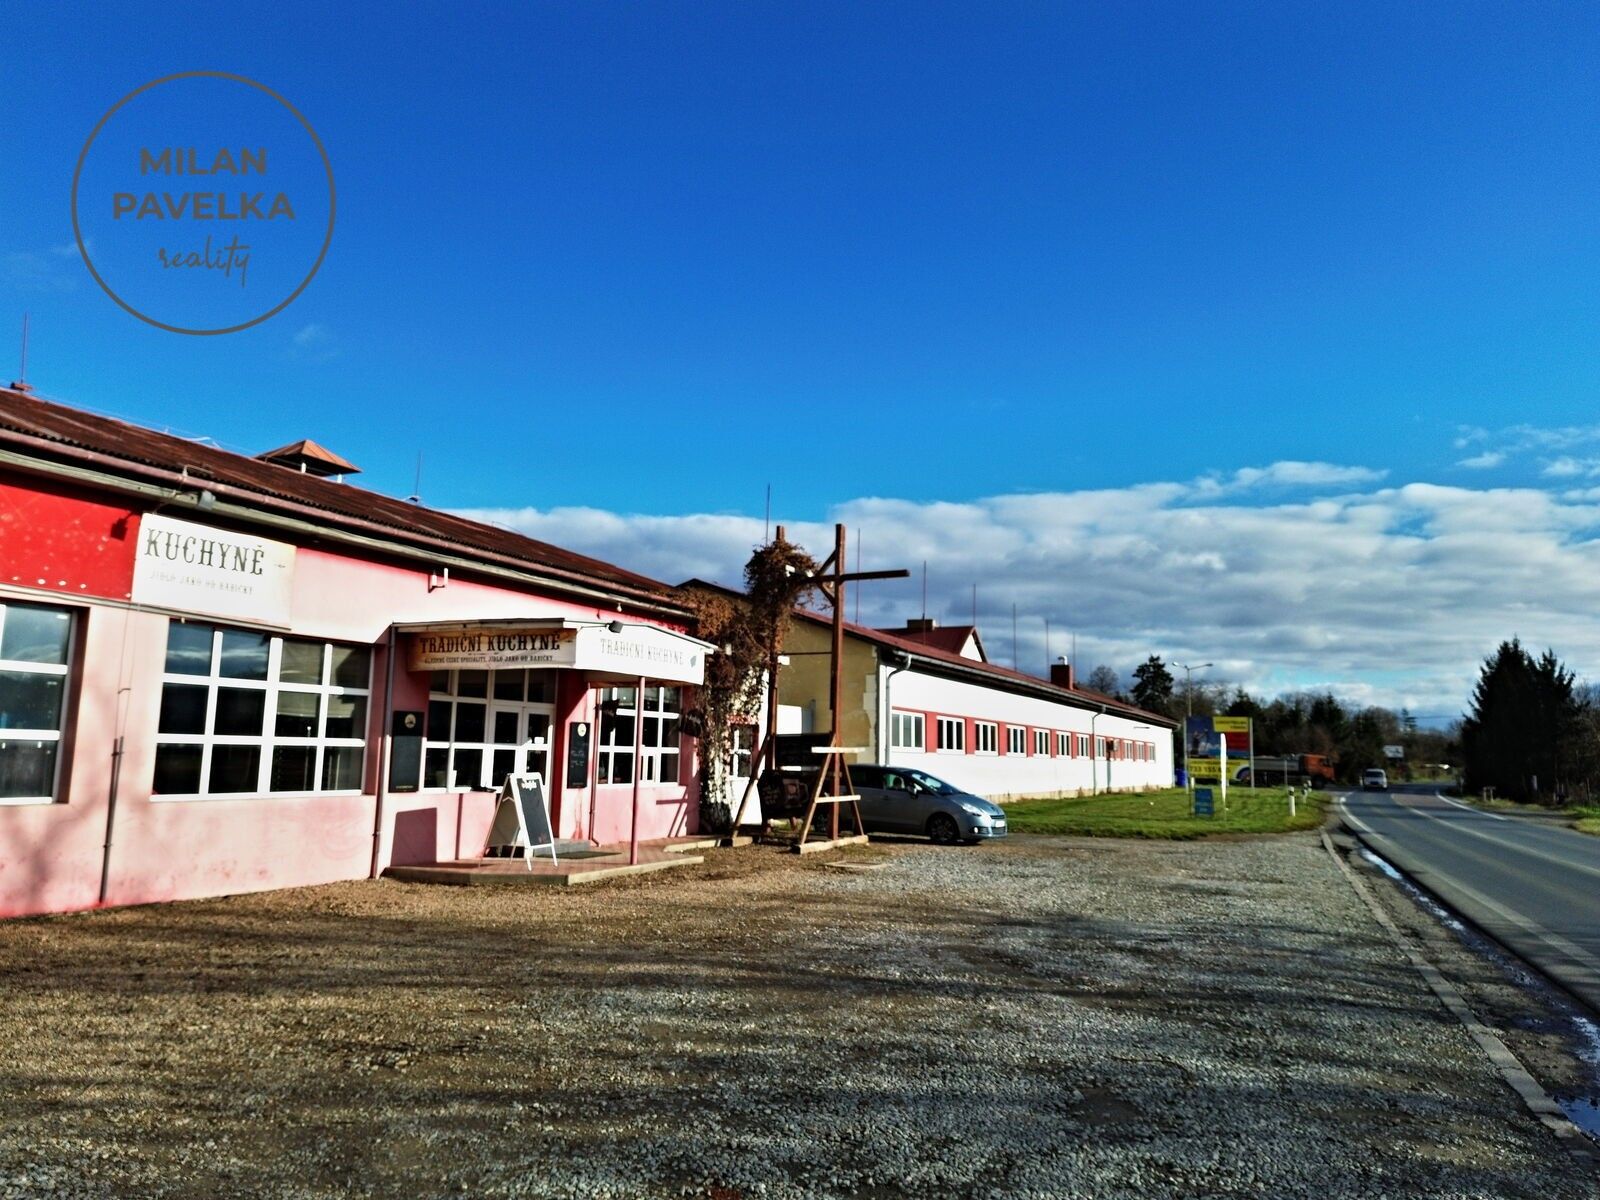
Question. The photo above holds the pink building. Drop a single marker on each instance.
(221, 674)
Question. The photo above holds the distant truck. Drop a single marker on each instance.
(1315, 769)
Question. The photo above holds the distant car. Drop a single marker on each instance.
(905, 800)
(1374, 779)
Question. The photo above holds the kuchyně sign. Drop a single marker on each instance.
(199, 569)
(493, 646)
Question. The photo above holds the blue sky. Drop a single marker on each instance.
(646, 259)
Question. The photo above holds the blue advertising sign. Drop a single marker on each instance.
(1202, 803)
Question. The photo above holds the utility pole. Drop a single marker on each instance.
(1188, 711)
(1188, 684)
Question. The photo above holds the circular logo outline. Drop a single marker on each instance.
(327, 166)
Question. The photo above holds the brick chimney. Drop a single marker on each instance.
(1062, 674)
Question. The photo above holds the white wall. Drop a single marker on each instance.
(1002, 775)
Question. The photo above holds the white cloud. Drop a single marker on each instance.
(1567, 467)
(46, 270)
(1389, 595)
(1515, 440)
(1290, 474)
(313, 343)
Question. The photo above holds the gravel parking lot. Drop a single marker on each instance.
(1048, 1017)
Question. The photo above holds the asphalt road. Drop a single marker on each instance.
(1534, 888)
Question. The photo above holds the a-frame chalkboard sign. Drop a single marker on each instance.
(521, 823)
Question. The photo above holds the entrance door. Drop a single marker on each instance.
(520, 734)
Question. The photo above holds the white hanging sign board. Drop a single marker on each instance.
(200, 569)
(522, 820)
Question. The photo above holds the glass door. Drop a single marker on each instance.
(520, 742)
(505, 725)
(535, 747)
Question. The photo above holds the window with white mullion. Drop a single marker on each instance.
(987, 736)
(457, 751)
(247, 713)
(909, 730)
(36, 645)
(660, 740)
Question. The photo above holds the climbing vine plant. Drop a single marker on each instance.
(745, 631)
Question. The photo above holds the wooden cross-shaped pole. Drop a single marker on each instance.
(831, 579)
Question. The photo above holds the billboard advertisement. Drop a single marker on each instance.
(1211, 743)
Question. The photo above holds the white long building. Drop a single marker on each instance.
(926, 697)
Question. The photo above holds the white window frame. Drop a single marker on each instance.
(663, 716)
(955, 741)
(908, 730)
(741, 750)
(63, 671)
(1063, 745)
(1016, 739)
(1081, 746)
(269, 739)
(986, 737)
(1041, 743)
(486, 746)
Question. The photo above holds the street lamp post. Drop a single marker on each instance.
(1188, 711)
(1094, 754)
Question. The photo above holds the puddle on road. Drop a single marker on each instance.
(1412, 890)
(1583, 1111)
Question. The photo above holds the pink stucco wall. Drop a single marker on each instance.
(51, 854)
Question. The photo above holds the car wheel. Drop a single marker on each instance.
(942, 828)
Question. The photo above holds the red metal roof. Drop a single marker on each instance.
(923, 650)
(44, 429)
(1002, 675)
(949, 638)
(312, 453)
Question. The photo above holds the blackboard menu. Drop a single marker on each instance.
(579, 736)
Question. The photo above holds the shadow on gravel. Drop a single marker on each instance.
(847, 1037)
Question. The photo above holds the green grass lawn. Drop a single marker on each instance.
(1588, 819)
(1586, 816)
(1165, 814)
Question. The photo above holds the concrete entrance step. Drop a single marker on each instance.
(564, 847)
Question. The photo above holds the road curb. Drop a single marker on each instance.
(1538, 1101)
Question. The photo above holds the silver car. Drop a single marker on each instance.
(905, 800)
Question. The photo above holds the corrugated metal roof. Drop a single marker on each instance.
(950, 638)
(133, 447)
(1014, 680)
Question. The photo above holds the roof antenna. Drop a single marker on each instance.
(974, 606)
(416, 492)
(20, 383)
(924, 589)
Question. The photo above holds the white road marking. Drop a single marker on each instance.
(1554, 941)
(1505, 845)
(1470, 808)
